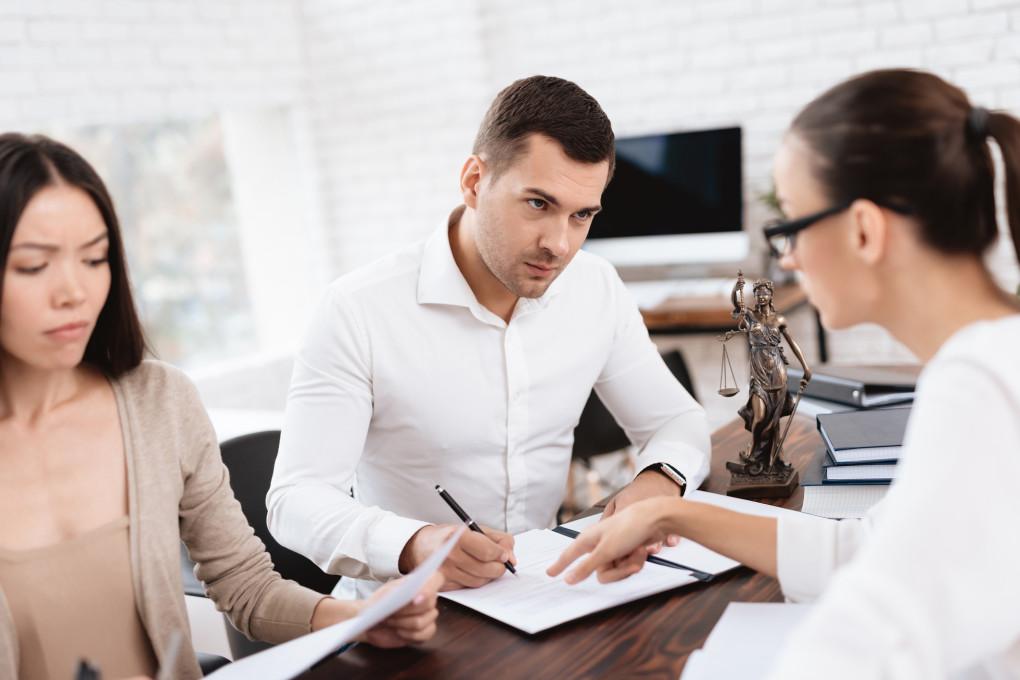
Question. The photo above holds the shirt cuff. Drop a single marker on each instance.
(385, 543)
(805, 555)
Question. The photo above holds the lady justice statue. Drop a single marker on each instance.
(761, 470)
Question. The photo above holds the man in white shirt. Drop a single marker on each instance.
(466, 360)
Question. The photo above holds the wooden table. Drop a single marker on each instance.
(650, 638)
(712, 314)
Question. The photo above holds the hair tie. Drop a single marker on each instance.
(977, 123)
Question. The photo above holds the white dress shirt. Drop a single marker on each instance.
(405, 381)
(931, 583)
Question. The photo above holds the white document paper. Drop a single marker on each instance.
(746, 642)
(532, 601)
(842, 501)
(290, 659)
(686, 552)
(693, 554)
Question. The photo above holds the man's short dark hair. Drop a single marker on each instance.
(553, 107)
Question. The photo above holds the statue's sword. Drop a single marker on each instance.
(779, 447)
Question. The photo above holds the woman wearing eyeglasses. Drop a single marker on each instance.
(889, 180)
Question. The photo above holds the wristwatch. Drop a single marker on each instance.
(672, 473)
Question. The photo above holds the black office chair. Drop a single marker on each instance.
(250, 459)
(210, 662)
(597, 432)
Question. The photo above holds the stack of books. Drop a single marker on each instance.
(853, 469)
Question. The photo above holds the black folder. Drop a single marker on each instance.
(859, 385)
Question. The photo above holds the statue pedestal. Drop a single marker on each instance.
(780, 482)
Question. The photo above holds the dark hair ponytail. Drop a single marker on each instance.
(907, 137)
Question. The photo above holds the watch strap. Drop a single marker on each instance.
(672, 473)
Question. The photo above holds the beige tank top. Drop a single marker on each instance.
(75, 600)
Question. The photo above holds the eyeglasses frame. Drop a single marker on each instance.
(791, 227)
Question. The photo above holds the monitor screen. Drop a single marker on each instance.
(681, 183)
(670, 185)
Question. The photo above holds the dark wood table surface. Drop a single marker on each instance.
(707, 314)
(682, 315)
(649, 638)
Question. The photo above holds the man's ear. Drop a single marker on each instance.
(471, 176)
(870, 231)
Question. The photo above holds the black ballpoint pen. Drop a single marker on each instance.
(467, 520)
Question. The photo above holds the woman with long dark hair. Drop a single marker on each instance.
(889, 181)
(108, 461)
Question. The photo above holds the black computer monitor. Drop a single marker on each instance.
(674, 198)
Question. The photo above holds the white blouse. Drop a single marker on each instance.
(927, 585)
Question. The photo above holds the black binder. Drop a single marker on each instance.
(861, 386)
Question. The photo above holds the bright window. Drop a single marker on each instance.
(172, 191)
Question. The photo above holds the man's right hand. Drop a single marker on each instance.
(473, 562)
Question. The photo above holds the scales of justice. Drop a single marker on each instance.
(760, 471)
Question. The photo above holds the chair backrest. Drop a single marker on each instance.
(597, 431)
(250, 459)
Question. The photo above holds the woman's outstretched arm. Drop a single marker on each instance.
(617, 544)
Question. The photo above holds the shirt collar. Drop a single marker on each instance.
(440, 280)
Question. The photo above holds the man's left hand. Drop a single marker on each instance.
(648, 484)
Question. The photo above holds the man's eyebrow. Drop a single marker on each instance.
(551, 200)
(548, 198)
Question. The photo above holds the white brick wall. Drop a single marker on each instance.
(391, 91)
(87, 62)
(667, 65)
(396, 93)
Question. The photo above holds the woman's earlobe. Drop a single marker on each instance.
(871, 231)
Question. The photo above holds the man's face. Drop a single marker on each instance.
(532, 220)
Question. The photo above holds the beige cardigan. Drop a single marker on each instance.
(178, 489)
